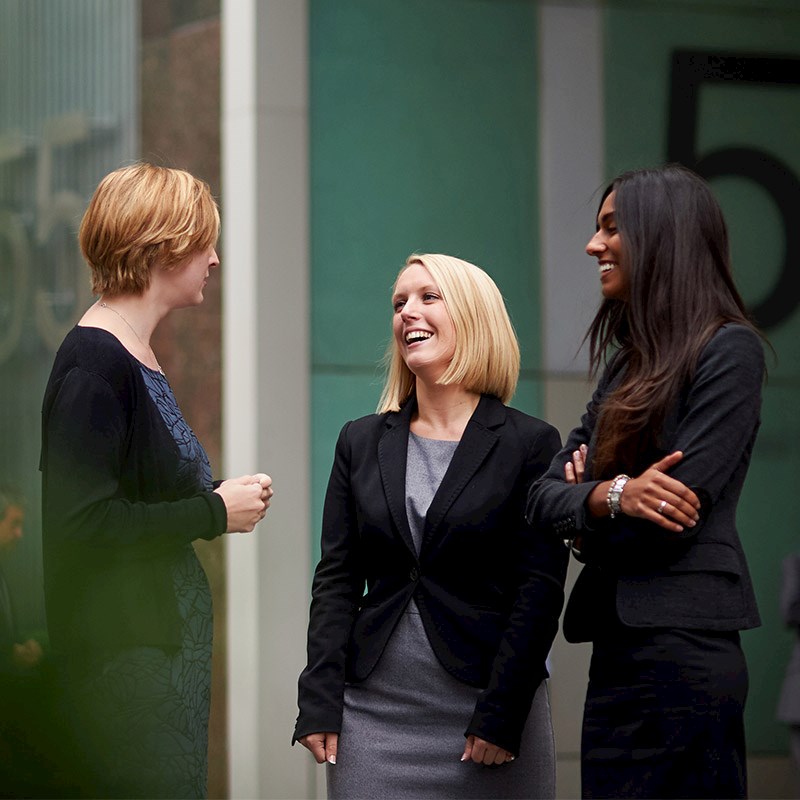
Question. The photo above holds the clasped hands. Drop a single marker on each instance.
(653, 495)
(246, 501)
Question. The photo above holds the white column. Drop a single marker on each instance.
(266, 373)
(572, 170)
(571, 154)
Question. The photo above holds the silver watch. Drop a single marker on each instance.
(615, 494)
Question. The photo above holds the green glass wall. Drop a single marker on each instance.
(423, 139)
(67, 116)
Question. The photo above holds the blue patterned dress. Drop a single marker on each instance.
(149, 707)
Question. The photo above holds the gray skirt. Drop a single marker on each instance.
(403, 733)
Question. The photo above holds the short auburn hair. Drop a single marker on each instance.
(142, 215)
(486, 358)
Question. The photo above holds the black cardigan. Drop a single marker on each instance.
(112, 520)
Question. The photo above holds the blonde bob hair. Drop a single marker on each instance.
(140, 216)
(486, 358)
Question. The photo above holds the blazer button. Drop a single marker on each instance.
(413, 574)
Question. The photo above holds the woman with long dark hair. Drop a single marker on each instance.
(645, 492)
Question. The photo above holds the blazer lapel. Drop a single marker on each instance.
(392, 458)
(477, 442)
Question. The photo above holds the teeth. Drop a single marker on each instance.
(417, 336)
(607, 267)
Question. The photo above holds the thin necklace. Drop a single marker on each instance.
(103, 304)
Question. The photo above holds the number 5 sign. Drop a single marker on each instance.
(690, 71)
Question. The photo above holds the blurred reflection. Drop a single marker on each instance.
(16, 656)
(28, 722)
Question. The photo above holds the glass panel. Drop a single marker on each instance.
(68, 89)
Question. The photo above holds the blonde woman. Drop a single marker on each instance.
(126, 488)
(434, 603)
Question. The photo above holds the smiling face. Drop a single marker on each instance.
(607, 247)
(422, 327)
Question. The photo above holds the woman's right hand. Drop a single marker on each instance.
(244, 502)
(575, 469)
(323, 746)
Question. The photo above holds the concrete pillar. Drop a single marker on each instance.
(266, 382)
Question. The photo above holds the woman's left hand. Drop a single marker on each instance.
(266, 487)
(482, 752)
(659, 498)
(654, 496)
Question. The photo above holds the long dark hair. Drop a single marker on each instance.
(681, 290)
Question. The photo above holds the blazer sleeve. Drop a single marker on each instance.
(722, 415)
(503, 706)
(555, 505)
(715, 432)
(336, 592)
(84, 440)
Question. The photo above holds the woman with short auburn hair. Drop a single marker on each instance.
(434, 603)
(142, 215)
(126, 489)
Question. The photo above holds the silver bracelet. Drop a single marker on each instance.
(615, 494)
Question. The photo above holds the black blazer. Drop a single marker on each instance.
(699, 579)
(489, 588)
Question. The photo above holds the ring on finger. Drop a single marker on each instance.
(661, 506)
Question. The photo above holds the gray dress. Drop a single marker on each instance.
(403, 727)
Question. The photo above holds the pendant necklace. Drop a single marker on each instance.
(103, 304)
